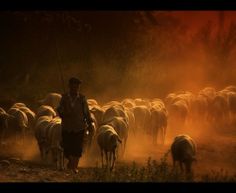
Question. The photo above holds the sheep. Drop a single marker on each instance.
(2, 110)
(117, 110)
(17, 105)
(128, 103)
(12, 110)
(230, 105)
(41, 128)
(209, 92)
(142, 102)
(170, 98)
(179, 104)
(157, 102)
(158, 123)
(3, 124)
(142, 118)
(98, 113)
(131, 117)
(17, 123)
(92, 102)
(122, 129)
(187, 97)
(179, 111)
(112, 103)
(199, 107)
(232, 102)
(51, 99)
(45, 110)
(30, 115)
(108, 140)
(183, 150)
(54, 139)
(219, 110)
(48, 135)
(231, 88)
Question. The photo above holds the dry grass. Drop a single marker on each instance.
(152, 171)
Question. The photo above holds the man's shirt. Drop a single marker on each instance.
(74, 112)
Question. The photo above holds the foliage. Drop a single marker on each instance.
(152, 171)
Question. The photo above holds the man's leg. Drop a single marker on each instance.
(75, 164)
(70, 163)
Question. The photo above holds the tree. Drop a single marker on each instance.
(218, 45)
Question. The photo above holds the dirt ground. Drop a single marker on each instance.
(215, 152)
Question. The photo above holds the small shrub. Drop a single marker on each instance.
(152, 171)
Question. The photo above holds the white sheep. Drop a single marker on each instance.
(108, 140)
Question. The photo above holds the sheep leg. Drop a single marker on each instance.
(62, 160)
(156, 131)
(116, 150)
(174, 163)
(24, 136)
(164, 135)
(43, 154)
(46, 155)
(106, 154)
(144, 125)
(102, 158)
(124, 147)
(113, 153)
(41, 151)
(16, 138)
(181, 166)
(109, 159)
(54, 152)
(3, 136)
(57, 158)
(90, 141)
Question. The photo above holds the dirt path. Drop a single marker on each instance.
(213, 153)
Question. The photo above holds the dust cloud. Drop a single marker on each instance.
(168, 59)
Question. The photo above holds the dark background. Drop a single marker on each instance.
(117, 54)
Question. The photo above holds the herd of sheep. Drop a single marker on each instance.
(116, 121)
(217, 108)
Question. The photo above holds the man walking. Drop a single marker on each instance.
(76, 118)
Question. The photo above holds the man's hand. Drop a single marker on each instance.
(91, 128)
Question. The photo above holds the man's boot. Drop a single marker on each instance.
(76, 161)
(70, 163)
